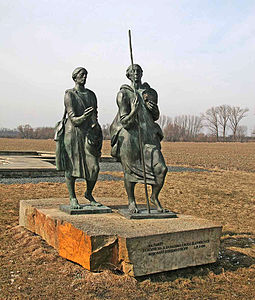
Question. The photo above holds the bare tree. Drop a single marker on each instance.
(253, 132)
(181, 124)
(106, 131)
(211, 118)
(224, 112)
(163, 121)
(183, 128)
(236, 115)
(25, 131)
(43, 133)
(171, 132)
(241, 133)
(194, 126)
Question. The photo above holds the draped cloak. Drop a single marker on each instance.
(82, 140)
(125, 137)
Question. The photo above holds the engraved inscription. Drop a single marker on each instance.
(160, 248)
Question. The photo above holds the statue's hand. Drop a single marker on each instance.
(150, 105)
(88, 112)
(153, 108)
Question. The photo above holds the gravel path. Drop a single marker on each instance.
(104, 167)
(116, 166)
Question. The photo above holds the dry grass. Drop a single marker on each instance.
(30, 269)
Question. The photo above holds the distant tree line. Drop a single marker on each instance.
(8, 133)
(219, 120)
(183, 128)
(27, 132)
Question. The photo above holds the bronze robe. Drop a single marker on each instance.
(82, 140)
(125, 139)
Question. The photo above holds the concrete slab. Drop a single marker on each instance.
(24, 162)
(32, 164)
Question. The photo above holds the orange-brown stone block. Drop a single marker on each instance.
(92, 252)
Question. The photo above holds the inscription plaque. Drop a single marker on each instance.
(152, 254)
(160, 248)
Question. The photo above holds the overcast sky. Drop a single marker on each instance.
(195, 53)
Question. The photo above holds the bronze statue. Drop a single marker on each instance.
(138, 111)
(79, 138)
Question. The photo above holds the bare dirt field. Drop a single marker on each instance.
(30, 269)
(227, 156)
(27, 145)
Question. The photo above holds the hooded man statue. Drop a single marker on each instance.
(125, 137)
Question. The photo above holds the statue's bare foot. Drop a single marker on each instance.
(74, 204)
(133, 208)
(157, 204)
(95, 203)
(92, 200)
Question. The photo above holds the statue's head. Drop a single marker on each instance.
(80, 75)
(135, 73)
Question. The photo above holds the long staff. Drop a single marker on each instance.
(139, 128)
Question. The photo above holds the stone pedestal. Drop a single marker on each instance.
(137, 247)
(85, 209)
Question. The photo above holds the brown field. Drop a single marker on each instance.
(27, 144)
(29, 268)
(226, 156)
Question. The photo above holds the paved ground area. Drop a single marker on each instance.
(24, 162)
(37, 163)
